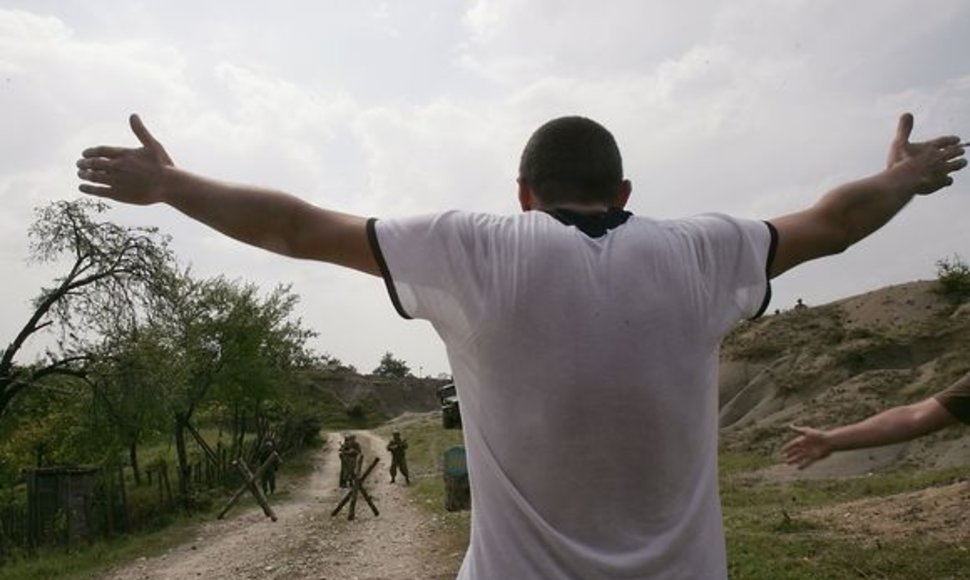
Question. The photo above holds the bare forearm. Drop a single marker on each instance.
(842, 217)
(249, 214)
(891, 426)
(269, 219)
(858, 208)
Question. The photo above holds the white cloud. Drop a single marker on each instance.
(749, 107)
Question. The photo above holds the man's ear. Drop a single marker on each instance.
(527, 199)
(623, 194)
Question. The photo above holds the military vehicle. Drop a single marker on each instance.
(450, 415)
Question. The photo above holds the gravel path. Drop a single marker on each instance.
(402, 543)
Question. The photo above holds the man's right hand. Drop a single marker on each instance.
(804, 450)
(927, 164)
(129, 175)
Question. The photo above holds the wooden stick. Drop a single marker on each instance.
(250, 484)
(357, 486)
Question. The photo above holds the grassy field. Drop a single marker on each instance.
(769, 537)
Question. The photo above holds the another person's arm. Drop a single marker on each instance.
(891, 426)
(854, 210)
(270, 219)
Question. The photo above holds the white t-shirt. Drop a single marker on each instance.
(586, 371)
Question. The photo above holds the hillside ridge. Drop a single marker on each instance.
(838, 363)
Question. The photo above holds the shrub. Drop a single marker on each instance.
(953, 276)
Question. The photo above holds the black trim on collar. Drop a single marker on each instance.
(375, 247)
(771, 258)
(594, 225)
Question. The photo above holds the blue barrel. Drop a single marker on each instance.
(455, 465)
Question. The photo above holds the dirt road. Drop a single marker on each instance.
(402, 543)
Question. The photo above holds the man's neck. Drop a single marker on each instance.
(583, 208)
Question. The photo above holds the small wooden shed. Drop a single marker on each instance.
(60, 505)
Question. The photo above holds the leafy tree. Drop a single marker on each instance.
(111, 270)
(223, 339)
(328, 362)
(262, 347)
(127, 381)
(45, 425)
(392, 367)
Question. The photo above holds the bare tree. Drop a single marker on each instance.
(111, 271)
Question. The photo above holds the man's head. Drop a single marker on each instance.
(573, 161)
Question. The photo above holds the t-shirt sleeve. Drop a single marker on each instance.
(734, 256)
(956, 399)
(425, 261)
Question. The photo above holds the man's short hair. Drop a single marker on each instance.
(572, 159)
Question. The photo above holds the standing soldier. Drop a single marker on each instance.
(350, 453)
(398, 448)
(268, 478)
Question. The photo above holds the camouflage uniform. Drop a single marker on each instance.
(268, 477)
(350, 453)
(398, 448)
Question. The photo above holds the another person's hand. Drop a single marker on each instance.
(130, 175)
(804, 450)
(926, 166)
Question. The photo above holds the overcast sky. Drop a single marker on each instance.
(751, 108)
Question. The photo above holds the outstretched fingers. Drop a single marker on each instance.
(799, 451)
(98, 190)
(904, 128)
(945, 142)
(949, 159)
(105, 151)
(140, 131)
(147, 140)
(94, 163)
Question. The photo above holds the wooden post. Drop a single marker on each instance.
(209, 453)
(163, 476)
(252, 486)
(357, 486)
(124, 497)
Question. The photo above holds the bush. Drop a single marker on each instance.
(953, 276)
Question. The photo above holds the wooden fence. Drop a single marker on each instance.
(115, 505)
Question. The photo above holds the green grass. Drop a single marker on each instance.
(769, 538)
(92, 561)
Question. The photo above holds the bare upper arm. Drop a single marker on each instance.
(804, 236)
(334, 237)
(929, 415)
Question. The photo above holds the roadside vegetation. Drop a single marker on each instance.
(151, 384)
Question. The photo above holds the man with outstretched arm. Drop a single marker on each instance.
(571, 327)
(895, 425)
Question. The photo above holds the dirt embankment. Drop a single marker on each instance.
(306, 542)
